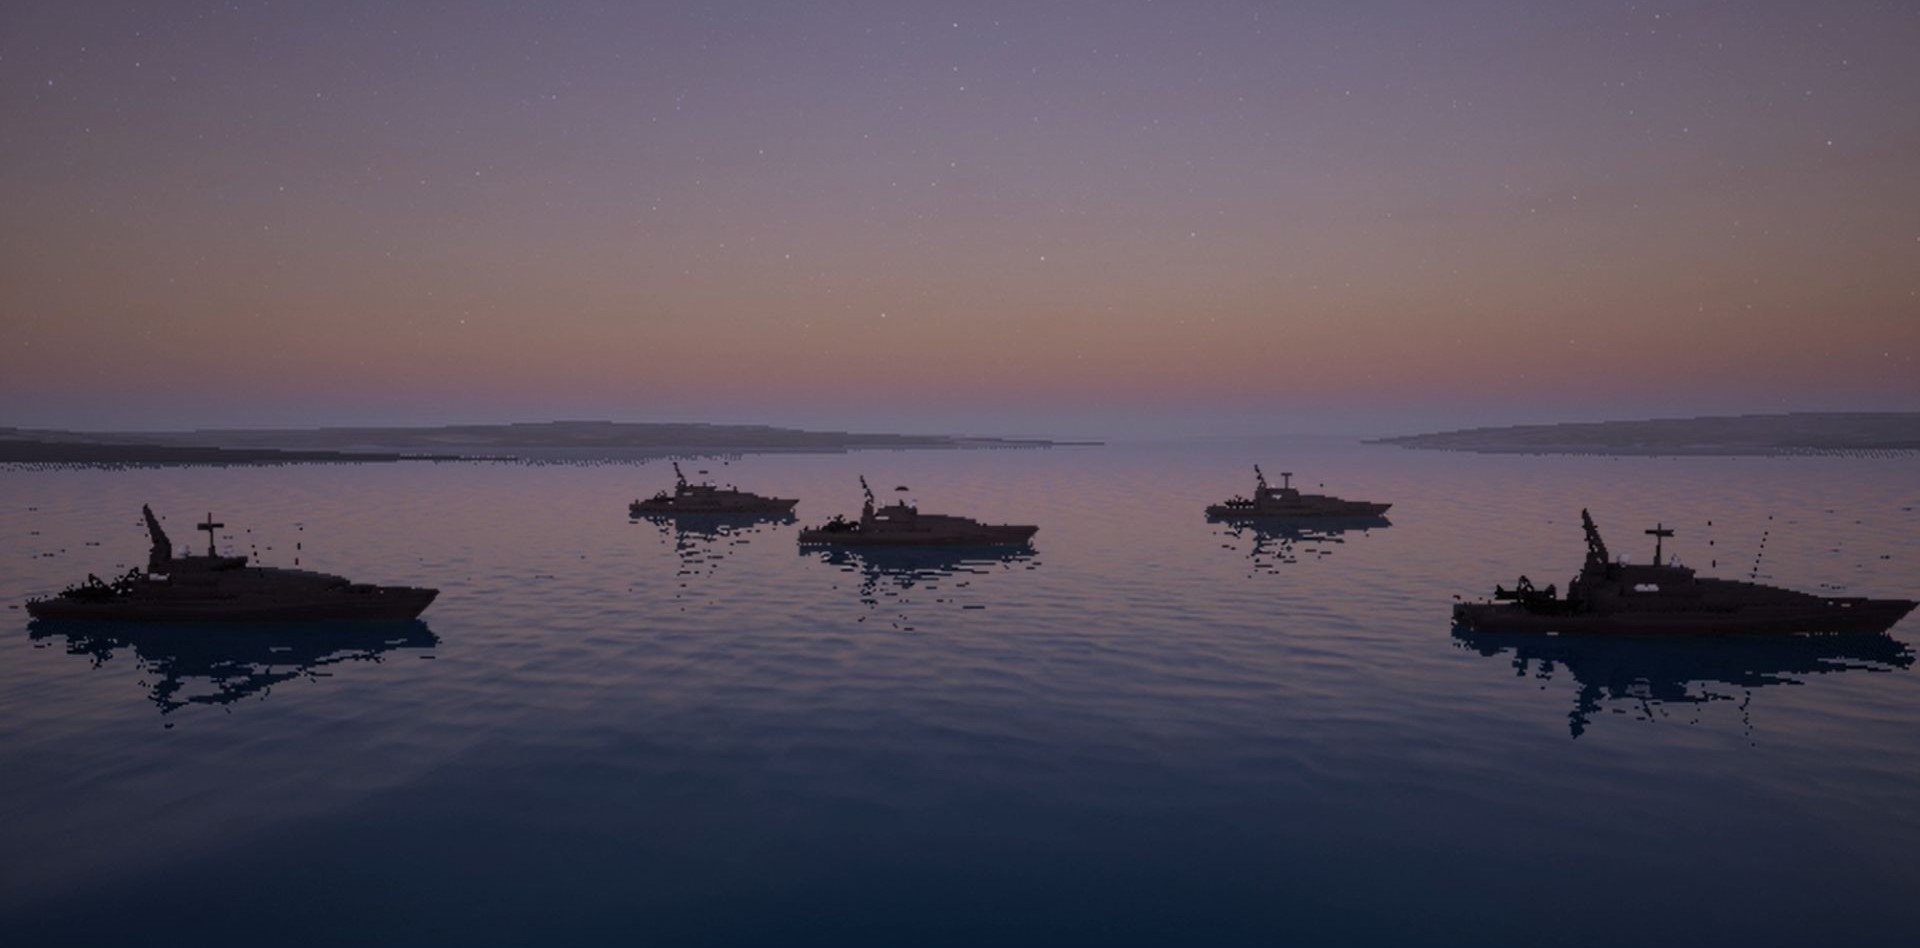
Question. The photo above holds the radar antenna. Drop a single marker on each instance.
(1286, 480)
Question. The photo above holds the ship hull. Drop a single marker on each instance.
(771, 505)
(1351, 510)
(1327, 524)
(1849, 615)
(381, 603)
(1009, 535)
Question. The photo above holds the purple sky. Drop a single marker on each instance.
(1097, 218)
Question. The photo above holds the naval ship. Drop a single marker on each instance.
(902, 524)
(1285, 501)
(1665, 598)
(706, 499)
(215, 588)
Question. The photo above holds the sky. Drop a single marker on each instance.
(1106, 218)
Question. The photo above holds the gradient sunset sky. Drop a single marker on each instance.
(1073, 218)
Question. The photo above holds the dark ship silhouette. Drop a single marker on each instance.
(707, 499)
(1286, 501)
(214, 588)
(1668, 599)
(902, 524)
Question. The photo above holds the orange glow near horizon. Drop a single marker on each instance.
(814, 225)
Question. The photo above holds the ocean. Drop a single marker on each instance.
(1147, 729)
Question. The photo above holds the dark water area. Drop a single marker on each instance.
(1146, 729)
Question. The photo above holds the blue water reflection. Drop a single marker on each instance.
(1272, 542)
(690, 731)
(897, 577)
(215, 664)
(702, 541)
(1654, 677)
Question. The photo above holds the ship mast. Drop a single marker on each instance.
(1259, 481)
(209, 526)
(1659, 532)
(679, 479)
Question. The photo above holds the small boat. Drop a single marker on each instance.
(1286, 502)
(902, 524)
(215, 588)
(706, 499)
(1665, 598)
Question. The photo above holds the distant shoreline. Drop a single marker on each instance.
(43, 452)
(537, 441)
(1796, 434)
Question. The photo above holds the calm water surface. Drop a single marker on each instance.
(1147, 729)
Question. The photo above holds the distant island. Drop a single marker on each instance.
(549, 440)
(1794, 433)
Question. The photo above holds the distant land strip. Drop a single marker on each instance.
(53, 452)
(1793, 433)
(553, 440)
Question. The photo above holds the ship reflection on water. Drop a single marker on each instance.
(701, 541)
(1279, 542)
(902, 576)
(1648, 675)
(222, 663)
